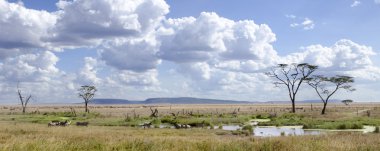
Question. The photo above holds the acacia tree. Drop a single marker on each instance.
(347, 102)
(24, 100)
(326, 87)
(292, 76)
(87, 93)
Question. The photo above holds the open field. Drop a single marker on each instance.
(39, 137)
(143, 110)
(117, 127)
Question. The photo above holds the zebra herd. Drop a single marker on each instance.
(59, 123)
(176, 125)
(66, 123)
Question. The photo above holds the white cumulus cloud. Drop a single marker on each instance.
(88, 73)
(131, 54)
(195, 39)
(306, 24)
(30, 67)
(38, 75)
(134, 79)
(22, 29)
(85, 22)
(209, 47)
(344, 56)
(355, 3)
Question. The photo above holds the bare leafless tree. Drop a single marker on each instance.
(154, 112)
(326, 87)
(292, 76)
(87, 93)
(23, 100)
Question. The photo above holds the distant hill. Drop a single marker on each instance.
(303, 101)
(319, 101)
(179, 100)
(190, 100)
(112, 101)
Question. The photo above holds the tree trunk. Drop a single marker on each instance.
(293, 106)
(23, 110)
(86, 108)
(324, 108)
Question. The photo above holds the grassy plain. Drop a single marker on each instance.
(116, 127)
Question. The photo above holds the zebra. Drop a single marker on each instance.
(81, 123)
(146, 125)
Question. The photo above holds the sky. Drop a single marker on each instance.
(219, 49)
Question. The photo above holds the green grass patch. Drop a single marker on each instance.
(290, 119)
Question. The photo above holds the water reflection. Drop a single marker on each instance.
(230, 127)
(268, 131)
(272, 131)
(282, 131)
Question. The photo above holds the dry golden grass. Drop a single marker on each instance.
(333, 110)
(30, 136)
(27, 136)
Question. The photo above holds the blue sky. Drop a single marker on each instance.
(334, 19)
(172, 48)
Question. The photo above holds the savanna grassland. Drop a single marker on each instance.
(118, 127)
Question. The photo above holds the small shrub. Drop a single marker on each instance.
(127, 119)
(156, 121)
(211, 126)
(357, 126)
(221, 133)
(246, 133)
(307, 126)
(262, 116)
(237, 132)
(167, 119)
(241, 132)
(248, 128)
(342, 126)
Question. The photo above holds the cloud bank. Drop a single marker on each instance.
(137, 44)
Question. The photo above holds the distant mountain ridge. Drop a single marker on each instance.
(112, 101)
(179, 100)
(191, 100)
(319, 101)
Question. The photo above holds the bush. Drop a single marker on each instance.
(211, 126)
(168, 120)
(156, 121)
(307, 126)
(342, 126)
(357, 126)
(222, 133)
(241, 132)
(262, 116)
(248, 128)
